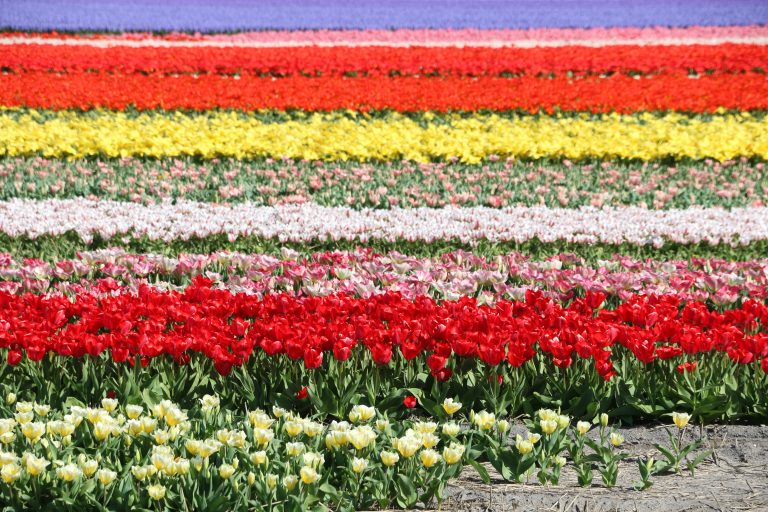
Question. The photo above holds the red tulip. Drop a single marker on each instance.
(410, 402)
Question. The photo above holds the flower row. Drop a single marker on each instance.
(160, 455)
(618, 93)
(365, 274)
(384, 61)
(230, 329)
(405, 184)
(435, 37)
(193, 16)
(184, 220)
(351, 136)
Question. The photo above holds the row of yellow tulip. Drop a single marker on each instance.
(349, 136)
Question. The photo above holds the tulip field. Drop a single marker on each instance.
(329, 255)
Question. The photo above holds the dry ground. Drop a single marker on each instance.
(734, 479)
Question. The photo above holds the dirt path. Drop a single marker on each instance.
(736, 479)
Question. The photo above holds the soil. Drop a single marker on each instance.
(734, 478)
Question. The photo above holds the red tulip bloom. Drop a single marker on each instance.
(302, 393)
(410, 402)
(14, 357)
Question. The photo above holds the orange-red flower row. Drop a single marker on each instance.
(371, 60)
(619, 93)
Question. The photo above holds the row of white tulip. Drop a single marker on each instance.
(309, 222)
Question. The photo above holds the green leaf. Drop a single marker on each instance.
(406, 491)
(484, 476)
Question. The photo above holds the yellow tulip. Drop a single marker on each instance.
(582, 427)
(69, 472)
(452, 454)
(389, 458)
(548, 426)
(485, 420)
(331, 136)
(359, 465)
(10, 472)
(259, 458)
(156, 492)
(407, 446)
(523, 446)
(308, 475)
(133, 411)
(226, 471)
(106, 476)
(450, 406)
(293, 428)
(35, 465)
(33, 431)
(429, 458)
(290, 482)
(109, 404)
(681, 419)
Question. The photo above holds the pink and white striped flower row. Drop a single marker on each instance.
(595, 37)
(364, 273)
(309, 222)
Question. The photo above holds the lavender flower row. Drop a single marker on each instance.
(185, 220)
(363, 273)
(229, 15)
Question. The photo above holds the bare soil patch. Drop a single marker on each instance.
(735, 478)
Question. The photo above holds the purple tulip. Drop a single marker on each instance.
(228, 15)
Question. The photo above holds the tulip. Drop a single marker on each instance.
(548, 426)
(523, 446)
(156, 492)
(226, 471)
(133, 411)
(33, 431)
(429, 440)
(429, 458)
(452, 454)
(484, 420)
(259, 458)
(109, 404)
(313, 459)
(389, 458)
(308, 475)
(10, 472)
(616, 439)
(293, 428)
(407, 446)
(681, 419)
(451, 429)
(294, 449)
(106, 476)
(42, 410)
(359, 465)
(582, 427)
(450, 406)
(209, 403)
(69, 472)
(290, 482)
(89, 467)
(35, 465)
